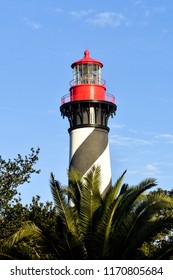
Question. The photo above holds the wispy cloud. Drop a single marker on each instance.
(117, 126)
(151, 170)
(132, 130)
(100, 19)
(165, 136)
(147, 11)
(139, 138)
(151, 167)
(143, 153)
(154, 10)
(108, 19)
(81, 14)
(129, 141)
(32, 24)
(156, 169)
(55, 10)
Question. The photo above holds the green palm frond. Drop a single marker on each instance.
(134, 193)
(74, 190)
(110, 204)
(74, 176)
(147, 213)
(112, 193)
(75, 186)
(69, 217)
(130, 197)
(4, 251)
(28, 229)
(104, 230)
(91, 198)
(62, 206)
(112, 222)
(149, 230)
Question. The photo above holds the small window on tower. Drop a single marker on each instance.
(92, 116)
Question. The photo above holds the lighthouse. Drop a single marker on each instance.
(88, 107)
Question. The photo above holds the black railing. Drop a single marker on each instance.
(107, 97)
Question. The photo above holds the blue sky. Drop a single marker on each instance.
(132, 38)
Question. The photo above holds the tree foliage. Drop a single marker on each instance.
(127, 223)
(12, 212)
(14, 173)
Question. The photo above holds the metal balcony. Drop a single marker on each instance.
(107, 97)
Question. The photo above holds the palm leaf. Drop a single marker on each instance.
(148, 231)
(148, 212)
(75, 187)
(4, 251)
(130, 198)
(113, 192)
(90, 199)
(133, 195)
(28, 229)
(62, 206)
(69, 217)
(73, 193)
(112, 221)
(104, 229)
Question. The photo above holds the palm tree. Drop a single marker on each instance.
(116, 226)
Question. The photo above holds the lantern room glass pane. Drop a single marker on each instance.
(87, 74)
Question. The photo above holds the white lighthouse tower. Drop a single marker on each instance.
(88, 107)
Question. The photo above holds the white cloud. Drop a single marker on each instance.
(150, 11)
(117, 126)
(151, 168)
(138, 138)
(81, 14)
(128, 141)
(108, 18)
(100, 19)
(165, 136)
(132, 130)
(32, 24)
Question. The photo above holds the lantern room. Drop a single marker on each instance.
(87, 71)
(87, 83)
(88, 103)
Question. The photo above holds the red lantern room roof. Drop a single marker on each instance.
(87, 60)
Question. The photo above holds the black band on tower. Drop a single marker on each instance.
(90, 150)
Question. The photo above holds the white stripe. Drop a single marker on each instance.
(77, 137)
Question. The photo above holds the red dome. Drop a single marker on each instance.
(87, 60)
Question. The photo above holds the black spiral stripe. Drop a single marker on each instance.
(89, 151)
